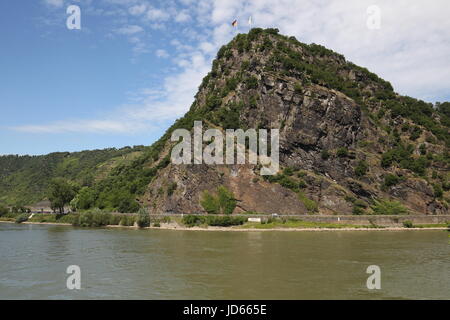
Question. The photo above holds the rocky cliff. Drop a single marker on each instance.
(348, 142)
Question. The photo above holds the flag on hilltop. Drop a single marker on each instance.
(234, 23)
(250, 21)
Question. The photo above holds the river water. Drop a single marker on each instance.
(165, 264)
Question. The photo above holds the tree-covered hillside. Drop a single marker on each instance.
(24, 180)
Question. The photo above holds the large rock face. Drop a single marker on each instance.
(336, 122)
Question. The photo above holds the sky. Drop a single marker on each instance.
(135, 65)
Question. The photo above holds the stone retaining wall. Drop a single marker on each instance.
(346, 219)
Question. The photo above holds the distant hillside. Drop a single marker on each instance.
(348, 143)
(24, 179)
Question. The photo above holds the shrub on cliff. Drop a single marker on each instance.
(223, 203)
(342, 152)
(361, 168)
(391, 180)
(389, 207)
(227, 202)
(209, 203)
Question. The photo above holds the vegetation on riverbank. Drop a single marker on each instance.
(217, 221)
(295, 223)
(97, 218)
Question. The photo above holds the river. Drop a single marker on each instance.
(165, 264)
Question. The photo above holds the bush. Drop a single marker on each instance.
(408, 224)
(391, 180)
(359, 206)
(325, 155)
(289, 183)
(94, 219)
(362, 168)
(225, 221)
(193, 220)
(423, 149)
(143, 219)
(224, 202)
(22, 218)
(127, 220)
(171, 188)
(302, 184)
(310, 205)
(385, 207)
(85, 199)
(209, 203)
(342, 152)
(358, 211)
(360, 203)
(227, 202)
(166, 220)
(402, 155)
(251, 82)
(3, 211)
(438, 192)
(288, 171)
(128, 205)
(100, 219)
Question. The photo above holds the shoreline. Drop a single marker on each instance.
(234, 229)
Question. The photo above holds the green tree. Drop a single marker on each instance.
(223, 203)
(3, 211)
(143, 219)
(389, 207)
(85, 199)
(60, 193)
(227, 202)
(209, 203)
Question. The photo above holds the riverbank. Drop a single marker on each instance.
(252, 227)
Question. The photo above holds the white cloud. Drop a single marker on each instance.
(182, 16)
(160, 53)
(86, 126)
(411, 49)
(157, 15)
(55, 3)
(137, 9)
(129, 29)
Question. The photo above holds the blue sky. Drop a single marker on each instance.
(135, 65)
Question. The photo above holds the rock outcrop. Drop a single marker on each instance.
(337, 122)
